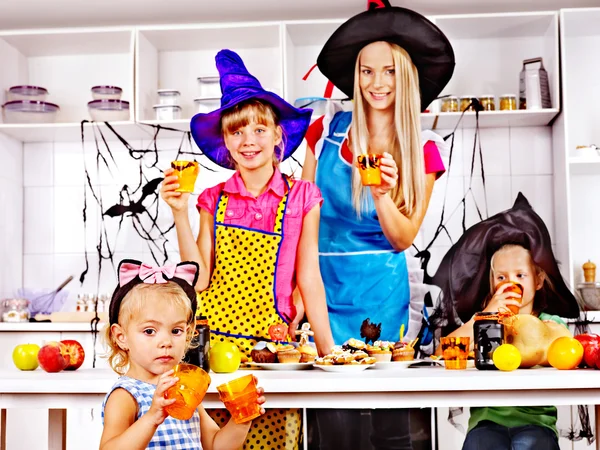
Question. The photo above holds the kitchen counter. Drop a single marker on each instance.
(404, 388)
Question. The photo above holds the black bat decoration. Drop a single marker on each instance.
(135, 207)
(369, 331)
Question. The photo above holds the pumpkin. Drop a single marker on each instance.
(533, 338)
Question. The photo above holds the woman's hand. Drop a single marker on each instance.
(502, 299)
(389, 176)
(157, 411)
(178, 201)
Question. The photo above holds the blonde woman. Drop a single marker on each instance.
(393, 62)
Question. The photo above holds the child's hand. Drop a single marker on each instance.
(502, 299)
(389, 176)
(261, 397)
(178, 201)
(157, 411)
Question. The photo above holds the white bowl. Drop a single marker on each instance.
(107, 92)
(29, 111)
(108, 110)
(209, 87)
(168, 97)
(206, 105)
(167, 112)
(26, 92)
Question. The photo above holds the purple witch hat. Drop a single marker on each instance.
(237, 85)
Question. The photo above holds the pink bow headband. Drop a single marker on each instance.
(152, 274)
(185, 274)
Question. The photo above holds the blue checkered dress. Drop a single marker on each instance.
(172, 434)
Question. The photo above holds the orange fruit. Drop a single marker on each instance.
(565, 353)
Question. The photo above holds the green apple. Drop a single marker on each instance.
(25, 356)
(225, 357)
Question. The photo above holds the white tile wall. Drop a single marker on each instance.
(515, 160)
(11, 215)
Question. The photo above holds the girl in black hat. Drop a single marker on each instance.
(393, 62)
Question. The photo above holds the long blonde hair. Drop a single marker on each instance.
(133, 303)
(405, 146)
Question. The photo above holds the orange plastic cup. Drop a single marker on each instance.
(188, 391)
(240, 398)
(455, 351)
(368, 166)
(187, 172)
(516, 288)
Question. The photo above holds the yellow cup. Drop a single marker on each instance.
(240, 398)
(188, 391)
(187, 172)
(455, 351)
(368, 166)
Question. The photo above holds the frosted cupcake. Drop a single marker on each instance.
(262, 354)
(403, 352)
(287, 354)
(307, 353)
(380, 350)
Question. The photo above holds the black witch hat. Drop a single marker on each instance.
(463, 274)
(428, 47)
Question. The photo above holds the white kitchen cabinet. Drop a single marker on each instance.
(577, 174)
(67, 62)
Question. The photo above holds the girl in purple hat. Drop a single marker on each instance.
(393, 63)
(258, 230)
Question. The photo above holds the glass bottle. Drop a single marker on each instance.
(199, 349)
(489, 335)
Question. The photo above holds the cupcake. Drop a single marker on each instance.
(288, 354)
(307, 353)
(403, 352)
(262, 354)
(380, 350)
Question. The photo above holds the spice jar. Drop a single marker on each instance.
(450, 104)
(15, 310)
(488, 102)
(508, 102)
(488, 334)
(466, 103)
(589, 272)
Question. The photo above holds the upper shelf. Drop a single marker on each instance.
(70, 132)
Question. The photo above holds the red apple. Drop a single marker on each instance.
(53, 357)
(590, 355)
(75, 353)
(588, 338)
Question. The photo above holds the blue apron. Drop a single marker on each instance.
(364, 276)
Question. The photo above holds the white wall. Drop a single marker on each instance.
(11, 215)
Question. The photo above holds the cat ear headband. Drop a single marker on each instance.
(132, 272)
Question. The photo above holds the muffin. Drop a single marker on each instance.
(288, 354)
(261, 354)
(380, 350)
(403, 352)
(307, 353)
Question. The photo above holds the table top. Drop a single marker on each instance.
(431, 380)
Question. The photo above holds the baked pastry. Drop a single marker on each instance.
(380, 350)
(307, 353)
(288, 354)
(403, 352)
(262, 354)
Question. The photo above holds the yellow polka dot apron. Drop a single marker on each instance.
(240, 305)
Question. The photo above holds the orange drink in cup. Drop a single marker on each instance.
(455, 351)
(188, 391)
(240, 398)
(187, 172)
(517, 289)
(368, 166)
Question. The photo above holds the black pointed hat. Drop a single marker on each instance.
(428, 47)
(463, 274)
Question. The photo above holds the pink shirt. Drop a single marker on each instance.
(259, 213)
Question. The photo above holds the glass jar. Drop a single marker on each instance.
(488, 102)
(466, 103)
(450, 104)
(15, 310)
(508, 102)
(488, 334)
